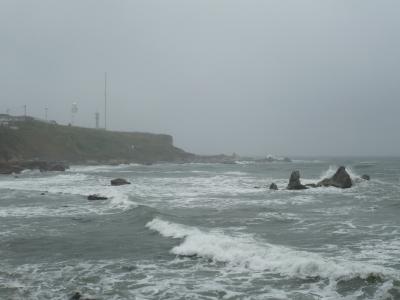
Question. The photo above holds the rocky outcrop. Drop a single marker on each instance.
(341, 179)
(365, 177)
(119, 181)
(294, 182)
(16, 167)
(96, 197)
(271, 158)
(7, 168)
(273, 186)
(51, 142)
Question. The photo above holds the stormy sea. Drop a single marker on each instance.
(202, 231)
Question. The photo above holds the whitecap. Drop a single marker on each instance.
(244, 251)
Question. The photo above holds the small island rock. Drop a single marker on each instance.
(341, 179)
(273, 186)
(365, 177)
(294, 182)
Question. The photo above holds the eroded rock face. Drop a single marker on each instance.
(273, 186)
(294, 182)
(119, 181)
(341, 179)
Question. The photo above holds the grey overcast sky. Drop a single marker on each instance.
(300, 77)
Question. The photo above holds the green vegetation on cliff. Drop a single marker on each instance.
(40, 140)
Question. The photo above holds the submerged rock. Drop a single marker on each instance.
(60, 167)
(294, 182)
(119, 181)
(341, 179)
(365, 177)
(96, 197)
(78, 296)
(273, 186)
(313, 185)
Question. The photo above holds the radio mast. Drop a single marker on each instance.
(105, 100)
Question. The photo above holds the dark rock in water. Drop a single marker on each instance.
(365, 177)
(313, 185)
(294, 182)
(78, 296)
(273, 186)
(341, 179)
(60, 167)
(119, 181)
(96, 197)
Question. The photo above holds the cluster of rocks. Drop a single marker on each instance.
(114, 182)
(16, 167)
(341, 179)
(271, 158)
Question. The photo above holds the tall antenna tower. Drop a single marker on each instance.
(74, 111)
(105, 100)
(97, 117)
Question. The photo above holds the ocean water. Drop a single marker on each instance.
(202, 231)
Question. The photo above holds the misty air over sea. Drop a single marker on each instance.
(202, 231)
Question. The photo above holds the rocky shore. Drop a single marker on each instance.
(16, 167)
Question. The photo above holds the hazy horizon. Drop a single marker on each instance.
(296, 78)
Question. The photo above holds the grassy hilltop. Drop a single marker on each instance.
(40, 140)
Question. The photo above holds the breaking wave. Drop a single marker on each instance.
(245, 251)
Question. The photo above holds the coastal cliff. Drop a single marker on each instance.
(35, 140)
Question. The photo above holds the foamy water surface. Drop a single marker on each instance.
(202, 231)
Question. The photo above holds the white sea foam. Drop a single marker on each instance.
(100, 168)
(332, 170)
(74, 184)
(279, 216)
(245, 251)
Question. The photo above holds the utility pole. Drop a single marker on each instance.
(105, 100)
(25, 111)
(45, 113)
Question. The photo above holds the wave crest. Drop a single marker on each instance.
(245, 251)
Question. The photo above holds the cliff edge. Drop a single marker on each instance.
(31, 139)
